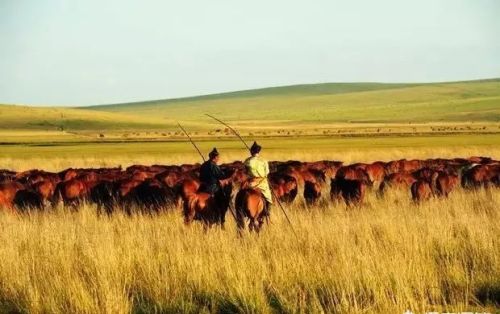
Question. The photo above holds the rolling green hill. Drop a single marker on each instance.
(313, 104)
(58, 118)
(293, 90)
(335, 102)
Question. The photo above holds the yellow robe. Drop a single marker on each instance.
(258, 169)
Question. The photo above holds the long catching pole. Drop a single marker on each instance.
(202, 157)
(189, 137)
(233, 130)
(246, 145)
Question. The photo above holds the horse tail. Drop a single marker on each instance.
(190, 208)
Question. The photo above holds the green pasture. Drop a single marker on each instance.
(286, 107)
(343, 121)
(463, 101)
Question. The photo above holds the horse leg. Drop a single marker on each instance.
(73, 204)
(127, 207)
(251, 224)
(260, 223)
(222, 218)
(240, 219)
(178, 202)
(206, 226)
(189, 214)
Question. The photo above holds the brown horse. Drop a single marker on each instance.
(8, 192)
(421, 190)
(250, 203)
(210, 209)
(185, 189)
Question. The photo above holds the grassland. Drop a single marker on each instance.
(18, 117)
(55, 156)
(387, 256)
(331, 106)
(326, 120)
(345, 103)
(320, 121)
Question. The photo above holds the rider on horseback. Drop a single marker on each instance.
(212, 178)
(211, 174)
(258, 170)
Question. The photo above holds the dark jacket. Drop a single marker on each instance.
(210, 174)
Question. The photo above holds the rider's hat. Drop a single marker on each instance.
(255, 149)
(214, 153)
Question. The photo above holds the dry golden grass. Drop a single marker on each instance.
(387, 256)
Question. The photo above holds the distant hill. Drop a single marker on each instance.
(279, 106)
(335, 102)
(298, 90)
(57, 118)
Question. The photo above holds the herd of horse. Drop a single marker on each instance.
(164, 187)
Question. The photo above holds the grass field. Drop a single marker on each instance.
(56, 156)
(327, 121)
(16, 117)
(387, 256)
(285, 108)
(461, 101)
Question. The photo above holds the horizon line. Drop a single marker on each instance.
(225, 93)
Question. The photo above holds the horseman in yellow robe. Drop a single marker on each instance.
(258, 170)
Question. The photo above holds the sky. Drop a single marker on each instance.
(87, 52)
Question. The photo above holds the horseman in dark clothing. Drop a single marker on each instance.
(211, 202)
(211, 175)
(215, 181)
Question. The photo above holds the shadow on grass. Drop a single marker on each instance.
(488, 293)
(195, 302)
(10, 306)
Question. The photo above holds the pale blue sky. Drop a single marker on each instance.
(72, 52)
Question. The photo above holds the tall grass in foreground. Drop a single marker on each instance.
(385, 257)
